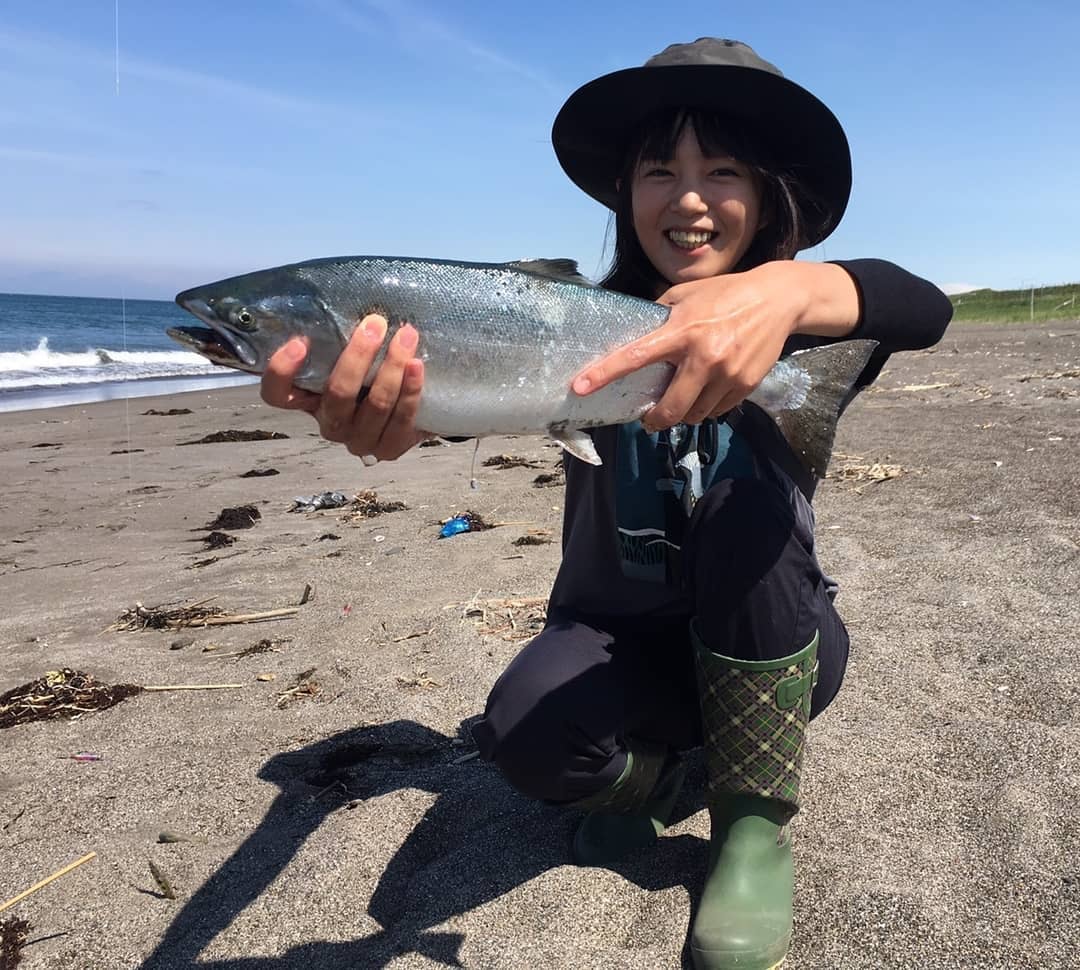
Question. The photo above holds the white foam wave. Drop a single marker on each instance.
(43, 367)
(42, 358)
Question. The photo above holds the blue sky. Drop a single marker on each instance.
(246, 134)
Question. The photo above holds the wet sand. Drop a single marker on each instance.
(336, 817)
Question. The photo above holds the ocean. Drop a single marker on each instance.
(57, 350)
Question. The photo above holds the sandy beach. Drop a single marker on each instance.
(331, 810)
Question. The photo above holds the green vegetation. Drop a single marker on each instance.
(1019, 306)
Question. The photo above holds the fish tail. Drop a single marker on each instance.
(810, 427)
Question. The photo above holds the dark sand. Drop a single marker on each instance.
(349, 828)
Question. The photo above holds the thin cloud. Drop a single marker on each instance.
(345, 15)
(52, 50)
(39, 156)
(953, 289)
(223, 87)
(412, 24)
(46, 117)
(112, 164)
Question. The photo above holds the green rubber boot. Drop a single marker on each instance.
(631, 813)
(754, 718)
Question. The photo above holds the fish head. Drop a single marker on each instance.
(249, 318)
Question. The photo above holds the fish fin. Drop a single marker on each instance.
(577, 443)
(564, 270)
(810, 426)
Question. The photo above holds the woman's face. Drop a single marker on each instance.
(695, 215)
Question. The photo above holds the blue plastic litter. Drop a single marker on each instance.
(458, 524)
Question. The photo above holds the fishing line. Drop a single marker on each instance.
(123, 297)
(127, 394)
(116, 24)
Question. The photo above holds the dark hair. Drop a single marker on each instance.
(784, 202)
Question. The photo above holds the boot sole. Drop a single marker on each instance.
(772, 966)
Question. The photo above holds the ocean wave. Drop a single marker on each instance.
(43, 367)
(43, 358)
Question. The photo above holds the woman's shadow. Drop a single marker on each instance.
(479, 840)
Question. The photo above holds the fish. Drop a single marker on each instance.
(501, 344)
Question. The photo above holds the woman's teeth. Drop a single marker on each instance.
(688, 240)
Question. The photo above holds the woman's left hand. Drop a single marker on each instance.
(723, 336)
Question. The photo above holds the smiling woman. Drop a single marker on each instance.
(730, 164)
(690, 608)
(695, 214)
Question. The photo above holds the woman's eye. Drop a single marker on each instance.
(648, 171)
(726, 172)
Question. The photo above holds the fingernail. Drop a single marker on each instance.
(375, 330)
(408, 337)
(295, 350)
(582, 385)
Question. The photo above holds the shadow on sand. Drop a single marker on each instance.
(499, 840)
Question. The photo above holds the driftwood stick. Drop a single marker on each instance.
(197, 687)
(241, 618)
(44, 882)
(413, 636)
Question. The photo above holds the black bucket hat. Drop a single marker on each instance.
(802, 136)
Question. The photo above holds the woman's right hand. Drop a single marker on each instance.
(382, 425)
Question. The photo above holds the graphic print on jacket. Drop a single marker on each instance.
(658, 481)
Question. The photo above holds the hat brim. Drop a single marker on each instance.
(804, 138)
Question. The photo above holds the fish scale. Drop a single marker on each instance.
(501, 344)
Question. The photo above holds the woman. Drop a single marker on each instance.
(689, 609)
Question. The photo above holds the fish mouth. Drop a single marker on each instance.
(216, 342)
(210, 345)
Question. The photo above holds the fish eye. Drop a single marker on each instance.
(244, 319)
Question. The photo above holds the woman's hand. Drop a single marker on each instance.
(382, 425)
(726, 333)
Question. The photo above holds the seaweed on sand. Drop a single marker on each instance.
(60, 694)
(219, 437)
(13, 934)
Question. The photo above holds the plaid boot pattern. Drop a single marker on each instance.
(754, 718)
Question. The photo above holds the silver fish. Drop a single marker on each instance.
(501, 344)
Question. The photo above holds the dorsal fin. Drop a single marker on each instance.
(564, 270)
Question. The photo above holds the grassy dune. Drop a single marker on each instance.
(1019, 306)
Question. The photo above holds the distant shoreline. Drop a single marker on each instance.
(69, 296)
(40, 398)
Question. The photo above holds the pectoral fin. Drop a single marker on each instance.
(577, 443)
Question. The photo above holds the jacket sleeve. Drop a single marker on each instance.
(899, 310)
